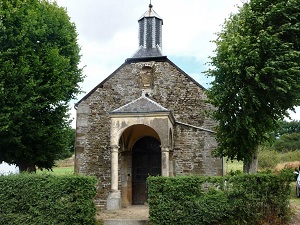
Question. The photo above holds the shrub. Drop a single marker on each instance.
(267, 158)
(188, 199)
(46, 199)
(238, 199)
(290, 156)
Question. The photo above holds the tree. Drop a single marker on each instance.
(287, 136)
(288, 127)
(70, 148)
(287, 142)
(39, 75)
(257, 76)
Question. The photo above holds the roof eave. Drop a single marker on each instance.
(168, 114)
(147, 59)
(140, 114)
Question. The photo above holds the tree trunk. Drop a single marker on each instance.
(26, 167)
(251, 165)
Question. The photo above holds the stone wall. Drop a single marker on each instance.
(192, 152)
(173, 90)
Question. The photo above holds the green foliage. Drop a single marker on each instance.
(237, 199)
(70, 144)
(182, 200)
(58, 171)
(267, 158)
(288, 127)
(39, 75)
(289, 156)
(295, 201)
(287, 136)
(256, 71)
(233, 165)
(44, 199)
(287, 142)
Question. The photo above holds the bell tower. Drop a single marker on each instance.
(150, 35)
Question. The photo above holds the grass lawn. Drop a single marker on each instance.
(59, 171)
(233, 166)
(294, 199)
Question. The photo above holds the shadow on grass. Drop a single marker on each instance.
(59, 171)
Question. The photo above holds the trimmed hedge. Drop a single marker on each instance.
(47, 199)
(238, 199)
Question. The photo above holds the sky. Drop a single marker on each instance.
(108, 34)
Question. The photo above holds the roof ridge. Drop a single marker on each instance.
(160, 107)
(196, 127)
(154, 102)
(129, 103)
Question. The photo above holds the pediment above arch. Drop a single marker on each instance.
(141, 105)
(142, 111)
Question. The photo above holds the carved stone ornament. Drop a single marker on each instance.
(146, 76)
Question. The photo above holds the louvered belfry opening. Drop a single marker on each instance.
(150, 35)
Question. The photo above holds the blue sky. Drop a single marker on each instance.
(194, 68)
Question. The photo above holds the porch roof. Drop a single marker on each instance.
(141, 105)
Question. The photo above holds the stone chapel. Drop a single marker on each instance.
(147, 118)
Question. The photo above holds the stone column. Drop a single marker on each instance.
(171, 164)
(165, 169)
(114, 167)
(114, 198)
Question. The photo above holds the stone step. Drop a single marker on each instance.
(125, 222)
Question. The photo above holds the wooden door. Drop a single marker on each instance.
(146, 160)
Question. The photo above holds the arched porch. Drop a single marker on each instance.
(145, 136)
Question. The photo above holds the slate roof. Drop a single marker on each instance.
(147, 52)
(141, 105)
(150, 35)
(150, 13)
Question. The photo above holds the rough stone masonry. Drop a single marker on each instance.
(172, 89)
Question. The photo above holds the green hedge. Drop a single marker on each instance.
(47, 199)
(237, 199)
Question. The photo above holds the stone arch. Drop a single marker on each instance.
(126, 129)
(119, 125)
(133, 133)
(128, 167)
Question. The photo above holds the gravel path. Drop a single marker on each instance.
(132, 212)
(142, 213)
(295, 215)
